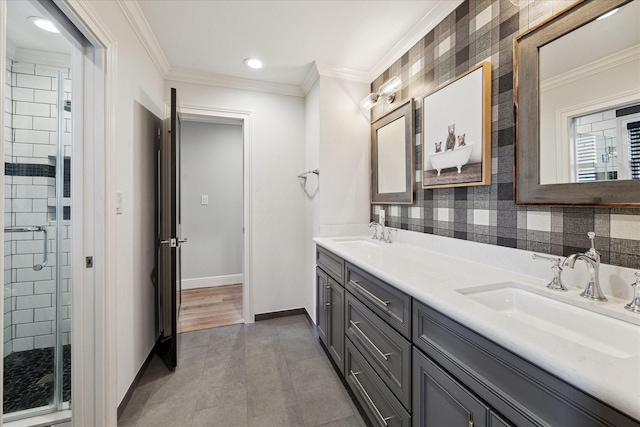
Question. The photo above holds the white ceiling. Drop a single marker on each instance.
(214, 37)
(22, 34)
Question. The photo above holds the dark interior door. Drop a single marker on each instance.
(170, 237)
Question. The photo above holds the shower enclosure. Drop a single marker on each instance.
(37, 244)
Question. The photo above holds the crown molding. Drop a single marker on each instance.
(327, 70)
(140, 26)
(191, 76)
(311, 78)
(594, 67)
(428, 22)
(31, 56)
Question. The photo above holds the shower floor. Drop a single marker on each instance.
(28, 379)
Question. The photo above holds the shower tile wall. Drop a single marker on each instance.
(30, 150)
(483, 30)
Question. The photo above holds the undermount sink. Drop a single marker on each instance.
(582, 326)
(359, 242)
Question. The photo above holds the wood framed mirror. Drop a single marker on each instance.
(392, 164)
(569, 72)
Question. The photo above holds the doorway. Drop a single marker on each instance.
(213, 218)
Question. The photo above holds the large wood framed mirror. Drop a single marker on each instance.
(392, 165)
(577, 103)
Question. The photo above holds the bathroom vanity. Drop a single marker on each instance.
(425, 339)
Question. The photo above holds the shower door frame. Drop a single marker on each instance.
(93, 228)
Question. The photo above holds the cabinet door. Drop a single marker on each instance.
(439, 400)
(322, 301)
(335, 316)
(497, 421)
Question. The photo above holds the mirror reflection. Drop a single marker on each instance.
(391, 158)
(590, 101)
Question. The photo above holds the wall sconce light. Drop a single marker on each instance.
(387, 91)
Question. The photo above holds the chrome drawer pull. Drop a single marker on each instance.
(360, 333)
(369, 294)
(327, 297)
(364, 394)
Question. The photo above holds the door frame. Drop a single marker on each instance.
(209, 115)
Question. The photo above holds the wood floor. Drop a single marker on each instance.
(205, 308)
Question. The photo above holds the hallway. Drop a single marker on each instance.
(272, 373)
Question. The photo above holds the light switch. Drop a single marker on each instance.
(205, 200)
(119, 203)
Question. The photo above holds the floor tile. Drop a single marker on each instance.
(272, 373)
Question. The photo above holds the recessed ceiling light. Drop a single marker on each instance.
(253, 63)
(43, 23)
(608, 14)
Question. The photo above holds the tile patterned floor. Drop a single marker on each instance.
(272, 373)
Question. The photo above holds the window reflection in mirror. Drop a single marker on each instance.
(590, 100)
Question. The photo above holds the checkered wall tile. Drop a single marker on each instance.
(477, 31)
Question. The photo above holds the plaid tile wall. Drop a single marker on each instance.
(483, 30)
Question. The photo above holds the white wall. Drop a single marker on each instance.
(311, 187)
(337, 140)
(277, 201)
(211, 164)
(344, 153)
(140, 101)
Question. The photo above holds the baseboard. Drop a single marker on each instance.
(206, 282)
(283, 313)
(127, 396)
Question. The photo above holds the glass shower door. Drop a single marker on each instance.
(37, 241)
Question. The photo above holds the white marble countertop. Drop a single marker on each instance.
(434, 279)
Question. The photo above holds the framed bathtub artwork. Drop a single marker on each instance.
(392, 148)
(456, 131)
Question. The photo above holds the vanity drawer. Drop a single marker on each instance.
(331, 264)
(377, 400)
(388, 353)
(392, 305)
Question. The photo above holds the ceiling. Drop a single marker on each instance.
(215, 37)
(359, 39)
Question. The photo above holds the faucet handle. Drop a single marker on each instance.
(375, 230)
(634, 305)
(592, 237)
(555, 283)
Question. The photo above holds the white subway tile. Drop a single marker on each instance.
(22, 122)
(44, 150)
(32, 109)
(45, 96)
(45, 123)
(22, 344)
(23, 94)
(28, 247)
(31, 136)
(33, 191)
(45, 70)
(33, 329)
(35, 301)
(8, 345)
(22, 150)
(45, 341)
(22, 316)
(44, 314)
(40, 205)
(23, 68)
(44, 286)
(22, 260)
(27, 274)
(22, 180)
(30, 218)
(21, 288)
(35, 82)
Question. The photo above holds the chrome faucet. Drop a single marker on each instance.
(592, 259)
(375, 226)
(385, 236)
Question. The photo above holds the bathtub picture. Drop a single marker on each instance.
(456, 131)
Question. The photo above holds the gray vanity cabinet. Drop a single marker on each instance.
(514, 388)
(439, 400)
(382, 408)
(330, 304)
